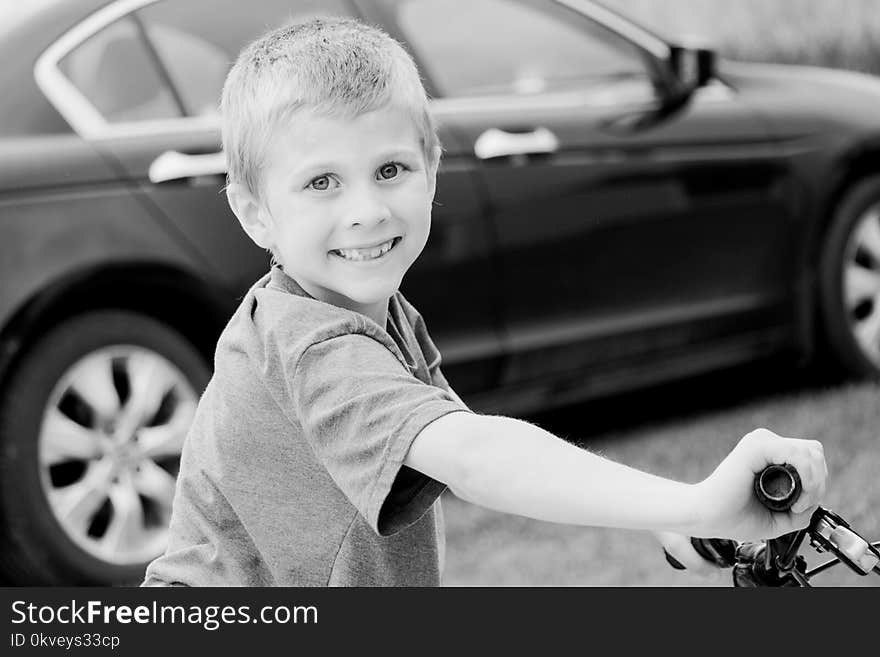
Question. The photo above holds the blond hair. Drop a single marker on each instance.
(335, 66)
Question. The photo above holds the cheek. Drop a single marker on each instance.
(304, 239)
(414, 203)
(419, 231)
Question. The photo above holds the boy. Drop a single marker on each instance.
(327, 433)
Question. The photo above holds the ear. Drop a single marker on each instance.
(433, 164)
(251, 214)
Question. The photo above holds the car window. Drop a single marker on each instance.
(198, 40)
(114, 71)
(504, 47)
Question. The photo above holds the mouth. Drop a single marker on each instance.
(367, 254)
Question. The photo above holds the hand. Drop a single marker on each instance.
(679, 548)
(727, 503)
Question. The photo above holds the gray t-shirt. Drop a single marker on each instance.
(292, 473)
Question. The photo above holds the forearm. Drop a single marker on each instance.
(516, 467)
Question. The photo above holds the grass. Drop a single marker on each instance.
(682, 432)
(817, 32)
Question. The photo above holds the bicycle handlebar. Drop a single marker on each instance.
(778, 487)
(775, 562)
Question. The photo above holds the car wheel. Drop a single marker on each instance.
(92, 423)
(849, 282)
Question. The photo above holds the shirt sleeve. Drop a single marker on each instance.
(360, 410)
(440, 381)
(432, 355)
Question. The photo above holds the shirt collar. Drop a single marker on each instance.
(397, 328)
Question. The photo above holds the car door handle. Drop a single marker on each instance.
(172, 165)
(498, 143)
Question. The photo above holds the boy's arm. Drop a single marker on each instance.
(509, 465)
(515, 467)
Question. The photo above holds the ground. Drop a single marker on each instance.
(680, 431)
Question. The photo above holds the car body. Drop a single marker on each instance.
(612, 210)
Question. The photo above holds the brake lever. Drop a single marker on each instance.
(831, 533)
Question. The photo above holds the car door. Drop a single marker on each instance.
(151, 79)
(622, 228)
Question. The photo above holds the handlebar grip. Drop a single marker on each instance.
(672, 561)
(778, 486)
(720, 551)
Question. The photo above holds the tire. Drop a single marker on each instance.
(92, 421)
(849, 282)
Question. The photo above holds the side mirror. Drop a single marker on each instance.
(691, 67)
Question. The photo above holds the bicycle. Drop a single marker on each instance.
(776, 562)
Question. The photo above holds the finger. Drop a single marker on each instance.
(678, 547)
(775, 449)
(688, 557)
(802, 519)
(765, 447)
(808, 484)
(823, 468)
(818, 476)
(809, 460)
(786, 522)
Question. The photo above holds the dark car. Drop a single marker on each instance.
(612, 210)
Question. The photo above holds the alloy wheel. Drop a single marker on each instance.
(861, 282)
(109, 450)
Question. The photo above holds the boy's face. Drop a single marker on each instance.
(347, 205)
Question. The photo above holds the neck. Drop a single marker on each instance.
(378, 313)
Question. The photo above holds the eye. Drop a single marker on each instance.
(321, 183)
(390, 170)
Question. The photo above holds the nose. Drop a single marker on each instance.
(366, 207)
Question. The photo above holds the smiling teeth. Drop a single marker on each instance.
(366, 254)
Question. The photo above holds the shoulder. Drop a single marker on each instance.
(273, 327)
(419, 328)
(409, 312)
